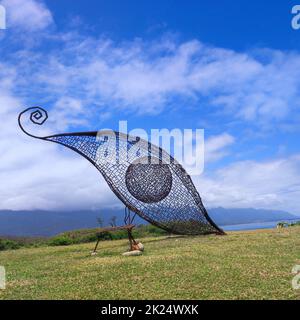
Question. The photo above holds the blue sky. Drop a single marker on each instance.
(238, 25)
(231, 24)
(229, 67)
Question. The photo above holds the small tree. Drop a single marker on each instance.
(100, 221)
(282, 225)
(113, 221)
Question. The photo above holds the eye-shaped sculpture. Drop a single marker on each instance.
(143, 176)
(147, 182)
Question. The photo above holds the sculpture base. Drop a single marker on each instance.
(133, 245)
(132, 253)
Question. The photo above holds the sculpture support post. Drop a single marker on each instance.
(128, 219)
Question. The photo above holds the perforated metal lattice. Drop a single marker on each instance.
(144, 177)
(147, 182)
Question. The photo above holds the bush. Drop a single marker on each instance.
(80, 236)
(293, 224)
(105, 235)
(60, 241)
(8, 245)
(148, 230)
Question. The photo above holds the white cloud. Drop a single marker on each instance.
(44, 178)
(88, 76)
(271, 184)
(30, 15)
(260, 88)
(215, 147)
(35, 174)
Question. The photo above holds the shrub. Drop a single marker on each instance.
(8, 245)
(60, 241)
(80, 236)
(293, 224)
(105, 235)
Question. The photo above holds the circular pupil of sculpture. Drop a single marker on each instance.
(148, 182)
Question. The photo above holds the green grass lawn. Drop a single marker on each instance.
(241, 265)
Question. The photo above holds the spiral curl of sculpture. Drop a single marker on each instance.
(143, 176)
(39, 116)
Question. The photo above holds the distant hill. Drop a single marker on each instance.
(48, 223)
(224, 216)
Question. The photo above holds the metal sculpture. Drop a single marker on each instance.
(143, 176)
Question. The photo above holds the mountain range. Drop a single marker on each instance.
(40, 223)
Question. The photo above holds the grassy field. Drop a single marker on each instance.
(241, 265)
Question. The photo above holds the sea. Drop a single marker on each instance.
(254, 226)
